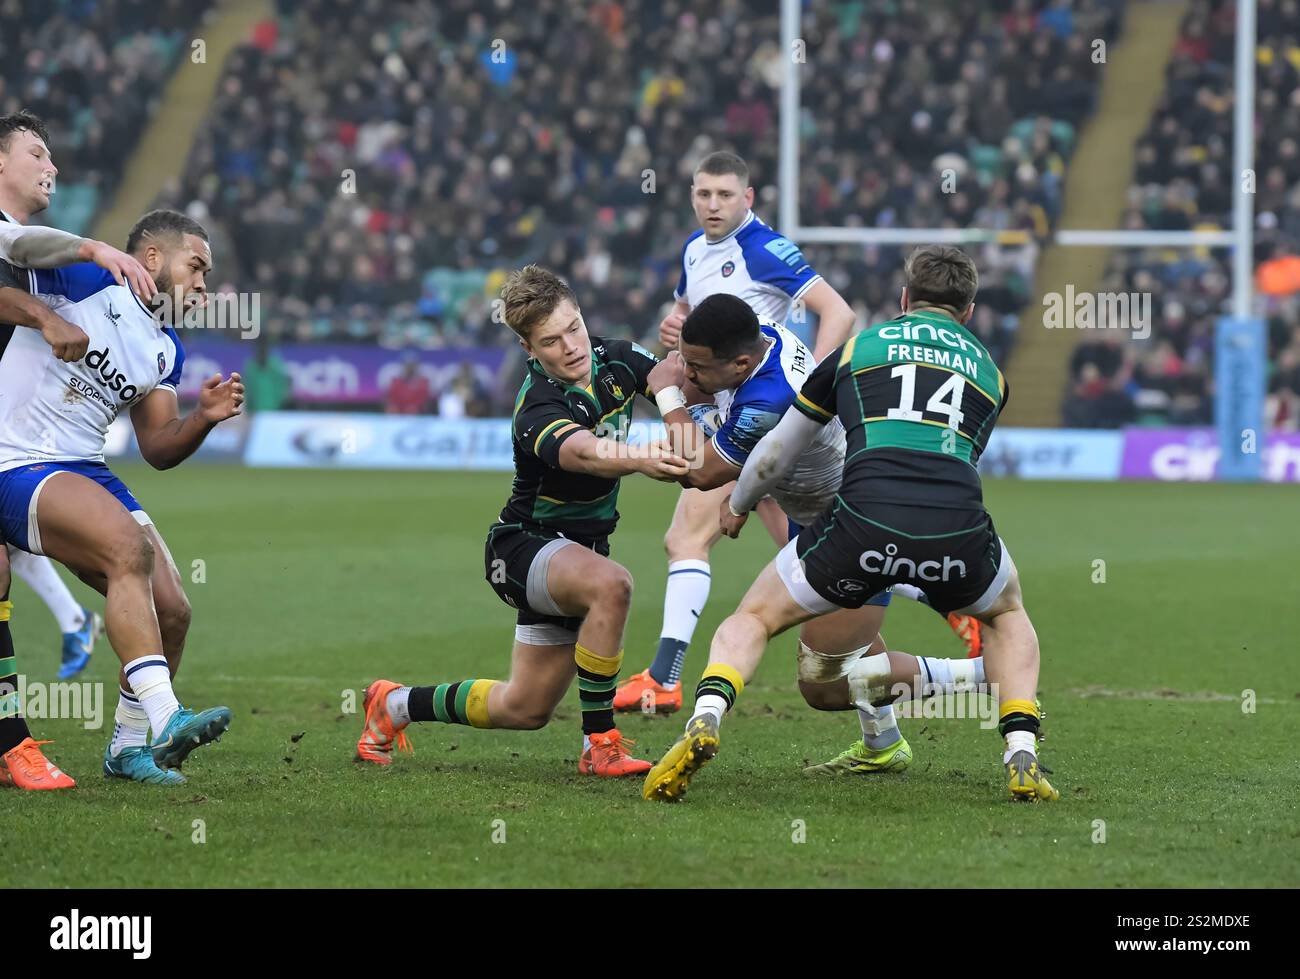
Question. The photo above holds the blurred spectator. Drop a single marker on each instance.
(463, 397)
(1099, 394)
(408, 393)
(267, 383)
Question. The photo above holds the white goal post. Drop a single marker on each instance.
(1240, 237)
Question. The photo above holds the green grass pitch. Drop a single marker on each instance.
(318, 582)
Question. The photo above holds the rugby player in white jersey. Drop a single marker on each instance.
(27, 175)
(734, 252)
(754, 370)
(57, 497)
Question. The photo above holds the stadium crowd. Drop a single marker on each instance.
(93, 70)
(1183, 181)
(380, 174)
(378, 166)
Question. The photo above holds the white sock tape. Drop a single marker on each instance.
(869, 680)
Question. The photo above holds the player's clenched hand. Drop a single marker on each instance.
(729, 522)
(125, 269)
(219, 400)
(669, 372)
(662, 463)
(68, 341)
(670, 330)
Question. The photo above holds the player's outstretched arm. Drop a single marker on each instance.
(772, 458)
(166, 439)
(834, 317)
(583, 452)
(69, 342)
(49, 248)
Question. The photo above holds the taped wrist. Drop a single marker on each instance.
(670, 399)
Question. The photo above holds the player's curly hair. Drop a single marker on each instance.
(940, 275)
(530, 295)
(725, 324)
(20, 122)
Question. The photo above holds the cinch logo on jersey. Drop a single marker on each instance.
(101, 932)
(113, 378)
(919, 331)
(874, 562)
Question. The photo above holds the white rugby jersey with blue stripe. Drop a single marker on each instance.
(51, 411)
(753, 263)
(751, 409)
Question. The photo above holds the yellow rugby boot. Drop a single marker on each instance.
(858, 759)
(668, 780)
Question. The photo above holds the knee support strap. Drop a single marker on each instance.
(818, 667)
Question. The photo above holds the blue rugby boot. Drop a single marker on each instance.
(137, 764)
(78, 645)
(186, 731)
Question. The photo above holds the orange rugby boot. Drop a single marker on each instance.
(24, 767)
(608, 756)
(967, 628)
(380, 733)
(641, 693)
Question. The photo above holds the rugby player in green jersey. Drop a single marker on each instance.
(918, 397)
(547, 554)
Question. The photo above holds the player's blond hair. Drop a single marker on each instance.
(530, 295)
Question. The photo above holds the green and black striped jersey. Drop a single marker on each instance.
(549, 411)
(918, 397)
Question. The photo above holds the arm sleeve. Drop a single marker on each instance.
(746, 424)
(73, 283)
(541, 426)
(641, 362)
(816, 399)
(37, 247)
(680, 291)
(772, 459)
(9, 234)
(778, 262)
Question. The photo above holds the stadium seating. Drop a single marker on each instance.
(92, 69)
(1184, 180)
(465, 165)
(382, 191)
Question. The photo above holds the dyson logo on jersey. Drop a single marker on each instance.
(901, 567)
(113, 378)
